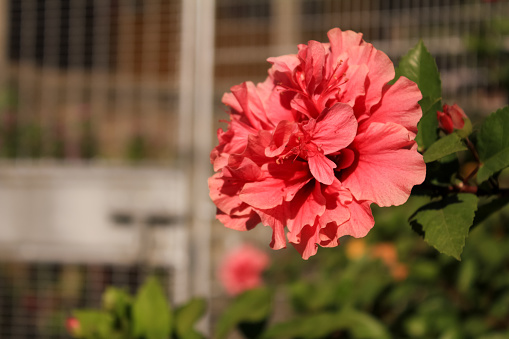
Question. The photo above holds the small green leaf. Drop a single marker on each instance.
(360, 325)
(186, 317)
(94, 324)
(493, 144)
(251, 306)
(151, 312)
(419, 66)
(467, 275)
(117, 301)
(446, 223)
(449, 144)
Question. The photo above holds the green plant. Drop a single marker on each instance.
(146, 315)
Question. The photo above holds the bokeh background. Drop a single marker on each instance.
(108, 110)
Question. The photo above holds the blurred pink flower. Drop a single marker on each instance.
(315, 144)
(73, 326)
(451, 118)
(242, 269)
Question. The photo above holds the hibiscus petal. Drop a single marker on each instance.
(263, 194)
(277, 106)
(282, 182)
(336, 210)
(252, 107)
(283, 68)
(241, 222)
(341, 41)
(224, 192)
(315, 59)
(386, 168)
(360, 222)
(242, 168)
(229, 100)
(355, 85)
(399, 104)
(280, 138)
(381, 70)
(328, 235)
(304, 208)
(307, 245)
(255, 148)
(322, 168)
(276, 219)
(220, 160)
(335, 128)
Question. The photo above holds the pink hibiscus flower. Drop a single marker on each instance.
(310, 149)
(242, 269)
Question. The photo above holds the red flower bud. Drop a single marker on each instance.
(451, 118)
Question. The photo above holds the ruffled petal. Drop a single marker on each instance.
(381, 71)
(335, 128)
(386, 168)
(360, 222)
(224, 192)
(304, 208)
(336, 209)
(322, 168)
(275, 218)
(399, 104)
(280, 138)
(281, 182)
(341, 41)
(251, 105)
(243, 220)
(307, 244)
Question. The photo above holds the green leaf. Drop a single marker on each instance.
(117, 301)
(151, 312)
(186, 317)
(360, 325)
(427, 128)
(449, 144)
(94, 324)
(493, 144)
(364, 326)
(446, 223)
(419, 66)
(252, 306)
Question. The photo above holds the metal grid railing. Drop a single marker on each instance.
(91, 78)
(248, 32)
(37, 298)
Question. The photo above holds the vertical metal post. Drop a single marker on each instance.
(195, 128)
(286, 25)
(185, 109)
(202, 136)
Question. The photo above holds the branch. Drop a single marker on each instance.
(434, 190)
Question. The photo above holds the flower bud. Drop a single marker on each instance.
(453, 118)
(73, 327)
